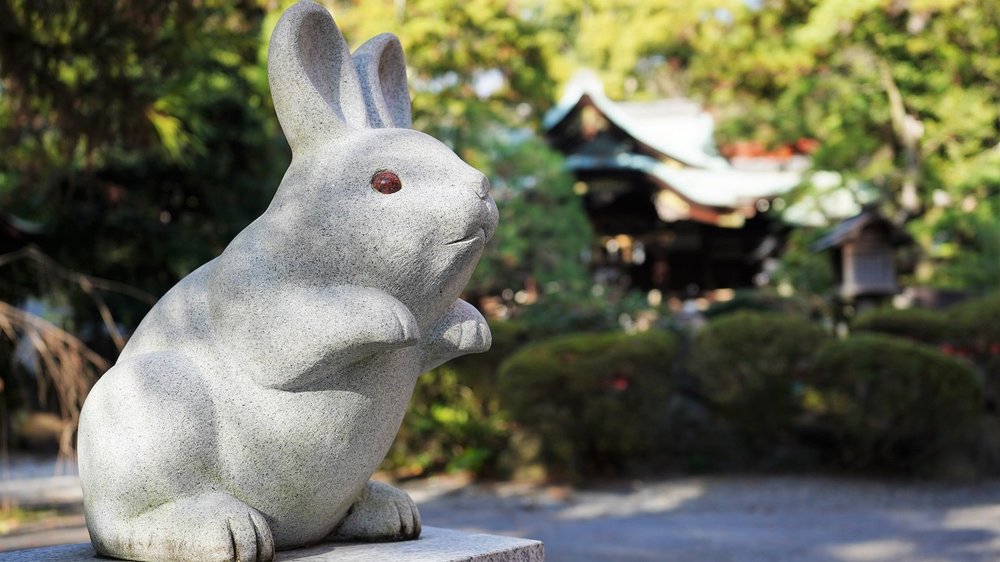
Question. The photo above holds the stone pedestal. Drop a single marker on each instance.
(434, 545)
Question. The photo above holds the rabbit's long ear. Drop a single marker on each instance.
(382, 70)
(315, 87)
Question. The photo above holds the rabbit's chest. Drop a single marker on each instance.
(320, 429)
(310, 453)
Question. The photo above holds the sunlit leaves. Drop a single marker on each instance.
(825, 70)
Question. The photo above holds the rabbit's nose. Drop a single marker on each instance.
(482, 187)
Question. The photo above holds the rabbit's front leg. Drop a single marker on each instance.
(460, 331)
(297, 337)
(381, 513)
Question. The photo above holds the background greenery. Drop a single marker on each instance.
(138, 138)
(752, 390)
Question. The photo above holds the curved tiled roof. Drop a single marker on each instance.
(725, 187)
(678, 129)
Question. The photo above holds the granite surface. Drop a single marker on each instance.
(253, 403)
(434, 545)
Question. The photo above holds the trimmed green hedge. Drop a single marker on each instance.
(977, 329)
(750, 390)
(918, 324)
(746, 366)
(977, 337)
(593, 402)
(890, 403)
(760, 300)
(978, 320)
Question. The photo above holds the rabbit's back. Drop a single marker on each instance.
(180, 320)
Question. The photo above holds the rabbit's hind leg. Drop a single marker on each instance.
(381, 513)
(210, 527)
(149, 470)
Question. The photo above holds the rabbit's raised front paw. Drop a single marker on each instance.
(460, 331)
(311, 333)
(395, 323)
(381, 513)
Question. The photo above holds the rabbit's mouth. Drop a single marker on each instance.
(479, 234)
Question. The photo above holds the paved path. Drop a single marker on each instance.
(728, 519)
(717, 519)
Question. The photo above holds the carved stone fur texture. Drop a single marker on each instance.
(255, 400)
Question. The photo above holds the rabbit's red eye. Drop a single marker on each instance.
(386, 182)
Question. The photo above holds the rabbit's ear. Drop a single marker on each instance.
(314, 84)
(382, 70)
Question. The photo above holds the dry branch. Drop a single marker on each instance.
(60, 359)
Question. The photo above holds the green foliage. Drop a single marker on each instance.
(449, 46)
(565, 312)
(450, 426)
(84, 77)
(595, 401)
(456, 421)
(536, 47)
(966, 243)
(747, 366)
(977, 324)
(890, 403)
(977, 336)
(626, 44)
(807, 272)
(761, 300)
(917, 324)
(903, 97)
(543, 230)
(138, 135)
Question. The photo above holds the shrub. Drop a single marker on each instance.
(761, 300)
(479, 370)
(977, 329)
(976, 336)
(746, 365)
(977, 320)
(568, 313)
(917, 324)
(448, 427)
(455, 421)
(593, 401)
(890, 403)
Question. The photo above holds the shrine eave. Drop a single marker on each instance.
(678, 129)
(721, 189)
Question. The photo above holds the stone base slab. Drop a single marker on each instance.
(434, 545)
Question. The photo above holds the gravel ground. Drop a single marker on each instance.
(717, 519)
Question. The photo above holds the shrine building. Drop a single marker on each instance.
(670, 212)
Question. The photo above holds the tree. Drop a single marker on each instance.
(543, 233)
(138, 140)
(902, 95)
(138, 135)
(472, 65)
(638, 49)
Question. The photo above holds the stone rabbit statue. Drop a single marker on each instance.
(255, 400)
